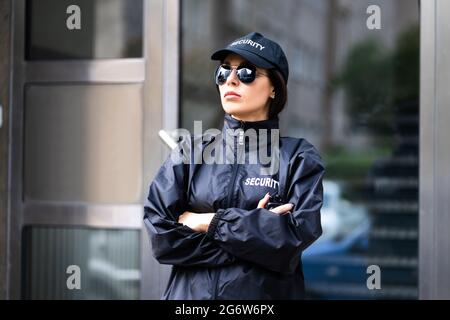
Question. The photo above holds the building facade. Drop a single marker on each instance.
(83, 102)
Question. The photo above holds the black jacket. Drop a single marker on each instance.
(247, 253)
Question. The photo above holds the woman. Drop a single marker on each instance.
(212, 222)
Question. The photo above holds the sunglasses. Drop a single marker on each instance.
(245, 73)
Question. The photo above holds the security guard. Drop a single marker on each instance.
(212, 222)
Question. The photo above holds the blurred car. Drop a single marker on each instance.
(339, 217)
(334, 266)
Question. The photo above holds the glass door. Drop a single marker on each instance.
(354, 93)
(76, 213)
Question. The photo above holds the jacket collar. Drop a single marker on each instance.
(235, 131)
(232, 123)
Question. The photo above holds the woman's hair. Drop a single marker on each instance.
(277, 104)
(279, 101)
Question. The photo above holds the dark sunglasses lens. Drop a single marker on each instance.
(222, 75)
(246, 75)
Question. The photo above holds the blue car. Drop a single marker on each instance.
(334, 266)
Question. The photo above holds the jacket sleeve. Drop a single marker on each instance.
(270, 240)
(172, 242)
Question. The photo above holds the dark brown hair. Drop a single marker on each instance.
(277, 104)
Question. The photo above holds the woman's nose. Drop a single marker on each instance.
(232, 78)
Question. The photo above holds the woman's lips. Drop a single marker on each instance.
(231, 94)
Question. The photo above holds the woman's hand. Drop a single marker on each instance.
(200, 221)
(196, 221)
(283, 209)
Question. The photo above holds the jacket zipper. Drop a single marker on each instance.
(236, 166)
(230, 194)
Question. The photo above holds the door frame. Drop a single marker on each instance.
(147, 71)
(434, 169)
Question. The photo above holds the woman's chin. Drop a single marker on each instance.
(231, 109)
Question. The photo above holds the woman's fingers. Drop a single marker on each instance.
(285, 208)
(263, 202)
(182, 218)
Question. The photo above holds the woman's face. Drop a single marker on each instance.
(248, 102)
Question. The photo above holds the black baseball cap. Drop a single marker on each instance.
(258, 50)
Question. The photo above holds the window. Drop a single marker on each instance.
(108, 262)
(95, 156)
(108, 29)
(353, 93)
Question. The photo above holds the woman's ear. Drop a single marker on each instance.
(272, 94)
